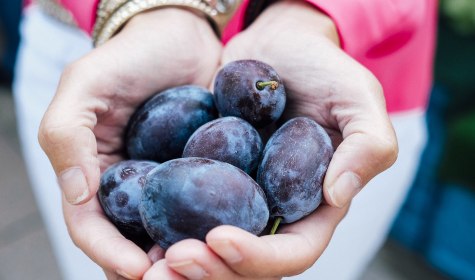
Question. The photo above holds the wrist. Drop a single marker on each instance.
(295, 14)
(112, 15)
(178, 18)
(169, 38)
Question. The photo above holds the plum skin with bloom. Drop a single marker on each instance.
(160, 128)
(293, 167)
(119, 194)
(227, 139)
(187, 197)
(251, 90)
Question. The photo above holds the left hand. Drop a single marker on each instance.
(324, 83)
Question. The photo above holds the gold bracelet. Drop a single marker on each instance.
(104, 11)
(219, 12)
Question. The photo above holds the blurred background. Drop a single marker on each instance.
(432, 236)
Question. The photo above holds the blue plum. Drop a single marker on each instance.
(187, 197)
(159, 129)
(251, 90)
(227, 139)
(293, 166)
(119, 194)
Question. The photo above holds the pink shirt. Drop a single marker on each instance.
(394, 39)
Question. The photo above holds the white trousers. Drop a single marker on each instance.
(48, 46)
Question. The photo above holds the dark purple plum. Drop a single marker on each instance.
(119, 194)
(227, 139)
(251, 90)
(187, 197)
(293, 166)
(159, 129)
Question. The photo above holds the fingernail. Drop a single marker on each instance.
(74, 185)
(189, 269)
(123, 274)
(344, 189)
(155, 254)
(226, 250)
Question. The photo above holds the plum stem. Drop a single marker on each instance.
(276, 225)
(262, 85)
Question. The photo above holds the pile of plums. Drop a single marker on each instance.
(197, 160)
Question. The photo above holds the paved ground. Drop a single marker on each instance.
(25, 252)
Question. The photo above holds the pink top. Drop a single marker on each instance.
(394, 39)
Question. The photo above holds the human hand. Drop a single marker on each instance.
(82, 130)
(324, 83)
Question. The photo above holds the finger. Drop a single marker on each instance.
(111, 275)
(102, 242)
(156, 253)
(194, 260)
(290, 252)
(66, 135)
(161, 271)
(369, 147)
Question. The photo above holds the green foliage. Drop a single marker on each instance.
(461, 14)
(457, 165)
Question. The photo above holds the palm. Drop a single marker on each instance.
(317, 75)
(136, 77)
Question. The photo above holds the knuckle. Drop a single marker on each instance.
(387, 150)
(85, 70)
(73, 68)
(44, 135)
(49, 135)
(371, 80)
(78, 68)
(375, 83)
(371, 86)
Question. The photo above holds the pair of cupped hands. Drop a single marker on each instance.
(82, 134)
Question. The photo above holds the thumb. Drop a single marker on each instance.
(66, 135)
(368, 148)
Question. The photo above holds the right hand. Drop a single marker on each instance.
(82, 131)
